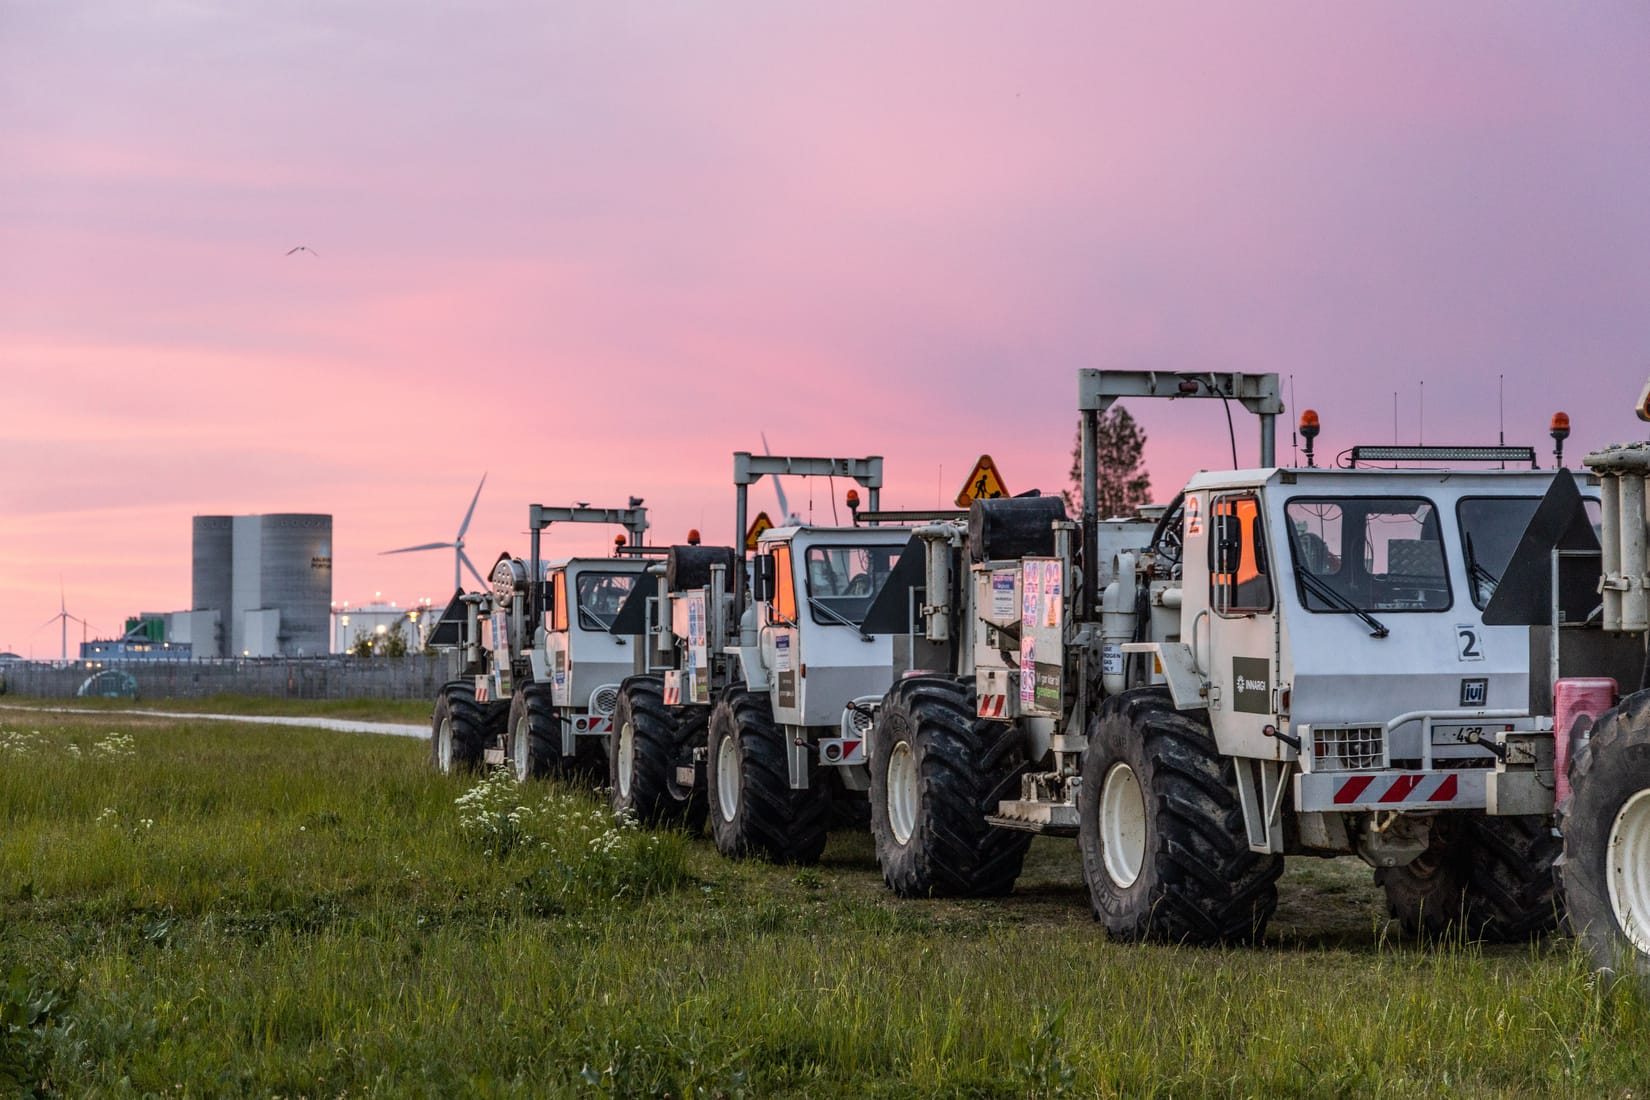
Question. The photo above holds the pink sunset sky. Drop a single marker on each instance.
(591, 249)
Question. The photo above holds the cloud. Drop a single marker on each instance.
(595, 249)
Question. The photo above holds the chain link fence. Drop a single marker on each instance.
(415, 676)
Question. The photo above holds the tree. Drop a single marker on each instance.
(1123, 485)
(381, 643)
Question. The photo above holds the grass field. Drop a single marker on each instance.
(193, 909)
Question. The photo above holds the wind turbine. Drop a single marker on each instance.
(460, 560)
(63, 616)
(785, 517)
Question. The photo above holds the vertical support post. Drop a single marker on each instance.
(1268, 439)
(1635, 601)
(535, 584)
(716, 613)
(1091, 509)
(740, 526)
(1553, 655)
(1610, 545)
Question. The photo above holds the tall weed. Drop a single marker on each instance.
(571, 853)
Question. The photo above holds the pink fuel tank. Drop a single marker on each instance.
(1577, 703)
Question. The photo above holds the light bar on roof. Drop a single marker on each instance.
(1383, 453)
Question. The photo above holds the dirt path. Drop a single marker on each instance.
(341, 725)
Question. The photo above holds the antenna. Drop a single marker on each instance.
(1421, 415)
(1501, 413)
(1294, 435)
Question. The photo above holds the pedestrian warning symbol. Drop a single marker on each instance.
(760, 524)
(984, 482)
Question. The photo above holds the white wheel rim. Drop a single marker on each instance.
(1122, 824)
(627, 745)
(444, 745)
(727, 779)
(523, 732)
(902, 792)
(1627, 870)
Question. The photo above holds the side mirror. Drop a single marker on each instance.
(762, 578)
(1228, 543)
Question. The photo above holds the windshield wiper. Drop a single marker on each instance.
(1483, 578)
(838, 617)
(1377, 629)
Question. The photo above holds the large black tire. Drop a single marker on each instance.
(1481, 877)
(533, 746)
(1165, 852)
(950, 770)
(753, 810)
(458, 730)
(649, 741)
(1606, 825)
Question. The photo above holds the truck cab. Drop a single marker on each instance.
(1332, 624)
(815, 586)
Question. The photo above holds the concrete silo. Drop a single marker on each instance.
(295, 578)
(212, 578)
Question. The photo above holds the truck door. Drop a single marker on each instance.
(1242, 625)
(780, 640)
(555, 640)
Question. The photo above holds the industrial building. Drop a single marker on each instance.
(262, 587)
(377, 619)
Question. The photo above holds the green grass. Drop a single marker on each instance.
(366, 710)
(234, 911)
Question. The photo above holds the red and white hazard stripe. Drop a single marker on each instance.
(1340, 792)
(601, 724)
(1386, 790)
(673, 693)
(993, 706)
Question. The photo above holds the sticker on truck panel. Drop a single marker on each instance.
(1046, 691)
(1469, 643)
(1475, 691)
(1251, 685)
(1194, 515)
(1002, 595)
(1028, 670)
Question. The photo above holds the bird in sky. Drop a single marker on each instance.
(302, 248)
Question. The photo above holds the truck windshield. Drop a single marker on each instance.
(1373, 553)
(600, 595)
(1490, 530)
(843, 580)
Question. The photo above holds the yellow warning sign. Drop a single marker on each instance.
(760, 524)
(984, 482)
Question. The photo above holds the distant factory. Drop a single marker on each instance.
(262, 587)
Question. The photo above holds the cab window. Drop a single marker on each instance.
(558, 601)
(842, 581)
(784, 584)
(1357, 554)
(600, 597)
(1239, 580)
